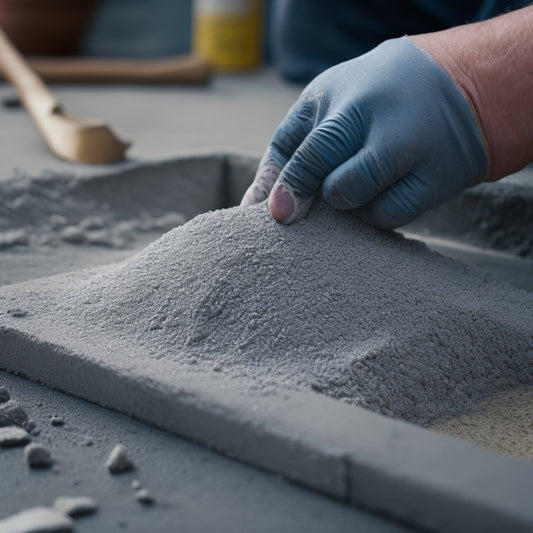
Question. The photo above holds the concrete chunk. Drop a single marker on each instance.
(75, 505)
(4, 395)
(38, 456)
(144, 497)
(118, 460)
(57, 421)
(12, 414)
(37, 520)
(13, 436)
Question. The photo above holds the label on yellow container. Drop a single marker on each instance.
(229, 33)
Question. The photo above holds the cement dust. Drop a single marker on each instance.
(329, 304)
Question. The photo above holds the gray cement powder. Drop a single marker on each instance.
(329, 304)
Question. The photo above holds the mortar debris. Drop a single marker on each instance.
(329, 304)
(144, 497)
(45, 212)
(75, 505)
(12, 413)
(17, 313)
(38, 456)
(57, 421)
(118, 460)
(13, 436)
(72, 234)
(37, 520)
(15, 237)
(4, 395)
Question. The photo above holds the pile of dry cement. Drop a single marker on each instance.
(329, 303)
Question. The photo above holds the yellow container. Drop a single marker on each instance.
(229, 33)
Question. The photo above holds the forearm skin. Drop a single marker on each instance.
(492, 63)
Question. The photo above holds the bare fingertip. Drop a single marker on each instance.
(281, 204)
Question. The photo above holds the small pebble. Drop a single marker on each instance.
(4, 395)
(144, 497)
(72, 234)
(101, 237)
(37, 520)
(87, 441)
(13, 238)
(93, 223)
(13, 436)
(58, 221)
(136, 484)
(12, 414)
(75, 505)
(118, 460)
(38, 456)
(57, 421)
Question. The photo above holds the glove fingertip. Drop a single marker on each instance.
(253, 195)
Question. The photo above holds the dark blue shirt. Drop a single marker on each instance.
(308, 36)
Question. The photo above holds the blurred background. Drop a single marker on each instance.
(302, 37)
(123, 28)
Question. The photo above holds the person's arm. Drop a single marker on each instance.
(492, 63)
(406, 126)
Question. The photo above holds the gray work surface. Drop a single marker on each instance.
(233, 114)
(195, 490)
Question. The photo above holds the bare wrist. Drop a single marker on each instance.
(492, 65)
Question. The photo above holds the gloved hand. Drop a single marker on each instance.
(388, 133)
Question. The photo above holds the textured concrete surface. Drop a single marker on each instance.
(503, 422)
(353, 325)
(195, 489)
(343, 451)
(496, 216)
(154, 188)
(427, 481)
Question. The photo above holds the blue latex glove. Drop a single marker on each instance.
(388, 133)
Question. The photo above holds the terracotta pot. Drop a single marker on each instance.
(46, 27)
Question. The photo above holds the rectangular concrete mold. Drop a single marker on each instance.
(351, 454)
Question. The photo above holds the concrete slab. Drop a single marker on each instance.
(397, 469)
(195, 489)
(346, 452)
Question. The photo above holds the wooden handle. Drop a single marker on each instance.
(187, 69)
(32, 91)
